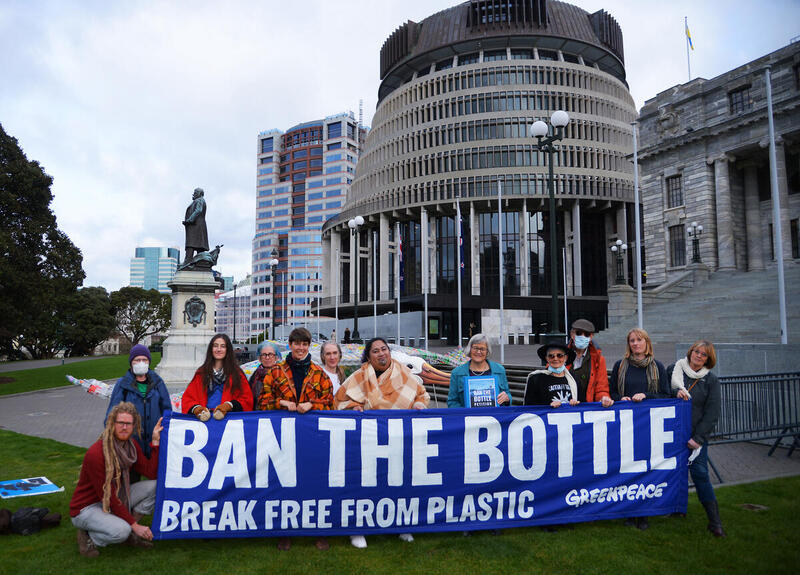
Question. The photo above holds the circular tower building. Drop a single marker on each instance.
(451, 133)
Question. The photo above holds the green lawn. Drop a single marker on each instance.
(46, 377)
(757, 542)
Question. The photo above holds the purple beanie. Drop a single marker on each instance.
(138, 350)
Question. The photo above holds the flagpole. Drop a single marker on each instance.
(336, 301)
(458, 268)
(564, 267)
(686, 33)
(500, 267)
(374, 286)
(399, 255)
(638, 266)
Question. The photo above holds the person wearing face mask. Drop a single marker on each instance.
(142, 387)
(553, 385)
(589, 368)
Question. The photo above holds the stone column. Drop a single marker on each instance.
(474, 245)
(524, 251)
(423, 250)
(335, 263)
(384, 289)
(724, 212)
(431, 256)
(783, 198)
(752, 215)
(577, 275)
(353, 264)
(327, 261)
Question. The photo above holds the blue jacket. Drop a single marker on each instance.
(455, 398)
(150, 407)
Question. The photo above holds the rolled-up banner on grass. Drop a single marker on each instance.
(343, 473)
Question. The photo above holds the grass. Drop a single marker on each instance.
(757, 542)
(46, 377)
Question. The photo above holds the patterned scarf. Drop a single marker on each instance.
(648, 364)
(299, 371)
(126, 455)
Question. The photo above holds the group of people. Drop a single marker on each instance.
(108, 501)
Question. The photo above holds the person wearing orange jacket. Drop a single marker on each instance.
(589, 368)
(297, 384)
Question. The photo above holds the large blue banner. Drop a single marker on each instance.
(343, 472)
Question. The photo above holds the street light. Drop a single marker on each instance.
(620, 248)
(544, 143)
(694, 232)
(354, 224)
(273, 263)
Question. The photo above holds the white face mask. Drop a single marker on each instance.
(140, 367)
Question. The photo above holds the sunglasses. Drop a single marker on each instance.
(556, 355)
(583, 333)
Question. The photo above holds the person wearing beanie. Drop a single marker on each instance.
(142, 387)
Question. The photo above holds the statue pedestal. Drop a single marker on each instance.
(192, 327)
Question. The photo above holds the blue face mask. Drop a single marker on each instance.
(556, 369)
(581, 341)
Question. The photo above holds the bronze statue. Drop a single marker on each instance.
(195, 223)
(202, 260)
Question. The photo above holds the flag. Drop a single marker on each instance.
(689, 38)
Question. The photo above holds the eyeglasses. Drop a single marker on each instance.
(124, 423)
(268, 355)
(479, 349)
(583, 333)
(556, 355)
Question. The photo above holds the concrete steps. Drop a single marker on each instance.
(732, 307)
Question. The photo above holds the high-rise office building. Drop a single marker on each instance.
(304, 175)
(152, 268)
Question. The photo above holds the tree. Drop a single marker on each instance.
(87, 319)
(139, 312)
(39, 265)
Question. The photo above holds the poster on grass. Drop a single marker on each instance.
(277, 473)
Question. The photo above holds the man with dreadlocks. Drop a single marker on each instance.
(106, 507)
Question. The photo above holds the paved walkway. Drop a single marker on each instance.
(71, 415)
(37, 363)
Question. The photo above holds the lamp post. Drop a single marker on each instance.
(354, 224)
(544, 143)
(234, 313)
(694, 233)
(620, 248)
(273, 263)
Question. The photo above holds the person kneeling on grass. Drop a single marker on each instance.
(105, 507)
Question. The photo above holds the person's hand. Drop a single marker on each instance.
(555, 403)
(503, 398)
(222, 410)
(290, 405)
(418, 405)
(684, 395)
(156, 436)
(574, 402)
(626, 398)
(693, 444)
(606, 401)
(305, 406)
(201, 412)
(358, 408)
(639, 397)
(143, 531)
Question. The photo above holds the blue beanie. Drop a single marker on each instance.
(138, 350)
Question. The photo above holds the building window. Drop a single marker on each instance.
(793, 225)
(444, 64)
(335, 130)
(468, 59)
(674, 192)
(266, 145)
(493, 55)
(740, 100)
(522, 54)
(677, 245)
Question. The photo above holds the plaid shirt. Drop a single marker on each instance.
(279, 384)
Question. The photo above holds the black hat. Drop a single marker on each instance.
(542, 351)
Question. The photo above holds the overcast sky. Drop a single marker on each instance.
(131, 105)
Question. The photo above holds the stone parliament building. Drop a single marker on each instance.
(704, 158)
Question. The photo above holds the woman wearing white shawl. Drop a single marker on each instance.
(691, 379)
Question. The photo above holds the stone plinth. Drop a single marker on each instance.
(621, 303)
(192, 327)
